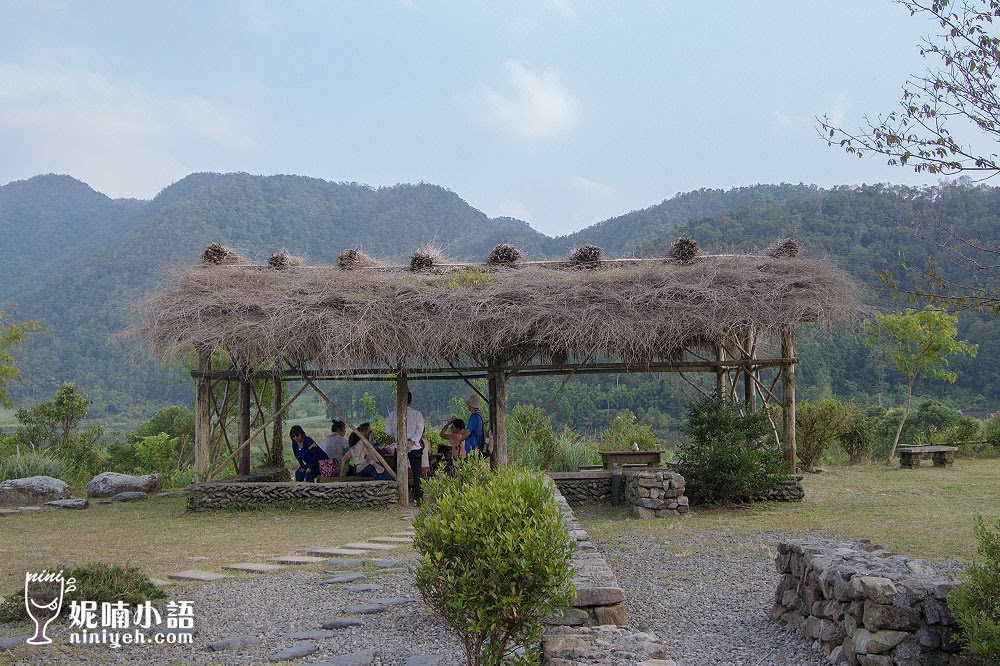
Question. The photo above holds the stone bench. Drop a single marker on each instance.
(943, 456)
(639, 458)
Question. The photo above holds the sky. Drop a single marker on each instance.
(561, 113)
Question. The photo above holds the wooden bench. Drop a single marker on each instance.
(630, 458)
(943, 456)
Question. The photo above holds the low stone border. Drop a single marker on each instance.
(864, 605)
(254, 495)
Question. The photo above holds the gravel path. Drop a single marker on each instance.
(708, 597)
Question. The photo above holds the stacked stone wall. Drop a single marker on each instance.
(255, 495)
(582, 488)
(655, 494)
(863, 605)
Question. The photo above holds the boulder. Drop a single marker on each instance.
(32, 490)
(109, 484)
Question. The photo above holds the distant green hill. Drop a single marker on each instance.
(77, 260)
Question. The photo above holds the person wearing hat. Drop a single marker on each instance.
(475, 436)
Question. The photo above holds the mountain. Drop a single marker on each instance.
(77, 260)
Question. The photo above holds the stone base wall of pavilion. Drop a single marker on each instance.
(254, 495)
(652, 493)
(863, 605)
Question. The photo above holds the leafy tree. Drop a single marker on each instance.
(624, 431)
(858, 440)
(918, 343)
(53, 424)
(957, 92)
(12, 335)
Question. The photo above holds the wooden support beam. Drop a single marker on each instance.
(749, 388)
(788, 398)
(203, 417)
(277, 434)
(243, 428)
(498, 417)
(720, 371)
(402, 482)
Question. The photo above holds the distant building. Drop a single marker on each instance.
(980, 415)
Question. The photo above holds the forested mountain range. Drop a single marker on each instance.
(76, 259)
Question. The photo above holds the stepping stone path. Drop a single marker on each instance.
(392, 539)
(298, 559)
(313, 635)
(197, 576)
(130, 496)
(344, 563)
(423, 660)
(335, 552)
(11, 642)
(366, 609)
(342, 623)
(366, 587)
(236, 643)
(344, 578)
(69, 503)
(161, 583)
(253, 567)
(385, 562)
(360, 658)
(409, 533)
(367, 545)
(297, 651)
(29, 508)
(8, 512)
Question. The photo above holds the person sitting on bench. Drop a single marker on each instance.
(365, 464)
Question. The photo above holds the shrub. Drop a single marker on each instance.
(817, 426)
(991, 432)
(94, 582)
(975, 603)
(31, 463)
(858, 440)
(536, 450)
(495, 557)
(728, 456)
(624, 432)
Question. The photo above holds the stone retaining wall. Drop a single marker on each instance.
(582, 488)
(863, 605)
(790, 490)
(253, 495)
(655, 494)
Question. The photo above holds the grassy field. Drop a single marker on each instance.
(159, 536)
(927, 512)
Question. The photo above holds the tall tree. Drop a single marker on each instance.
(948, 122)
(918, 343)
(12, 335)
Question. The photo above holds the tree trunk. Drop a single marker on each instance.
(906, 413)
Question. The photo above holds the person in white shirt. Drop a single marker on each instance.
(416, 451)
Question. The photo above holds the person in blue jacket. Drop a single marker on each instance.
(307, 452)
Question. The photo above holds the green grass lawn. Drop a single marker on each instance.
(927, 512)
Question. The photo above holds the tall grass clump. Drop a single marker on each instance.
(23, 464)
(495, 558)
(533, 443)
(975, 603)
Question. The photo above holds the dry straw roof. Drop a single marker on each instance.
(361, 315)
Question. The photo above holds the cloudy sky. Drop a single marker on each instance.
(559, 112)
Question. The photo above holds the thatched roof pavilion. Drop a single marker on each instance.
(505, 317)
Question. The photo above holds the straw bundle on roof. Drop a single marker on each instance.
(283, 260)
(217, 254)
(786, 247)
(586, 255)
(683, 249)
(503, 255)
(354, 258)
(425, 259)
(634, 311)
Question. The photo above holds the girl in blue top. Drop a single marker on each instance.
(307, 452)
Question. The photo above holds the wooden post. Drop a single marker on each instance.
(720, 374)
(203, 417)
(498, 417)
(788, 396)
(749, 388)
(243, 462)
(277, 436)
(402, 483)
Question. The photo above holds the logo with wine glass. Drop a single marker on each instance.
(43, 598)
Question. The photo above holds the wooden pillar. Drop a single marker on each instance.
(498, 417)
(720, 373)
(749, 389)
(203, 417)
(277, 435)
(788, 396)
(402, 483)
(243, 461)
